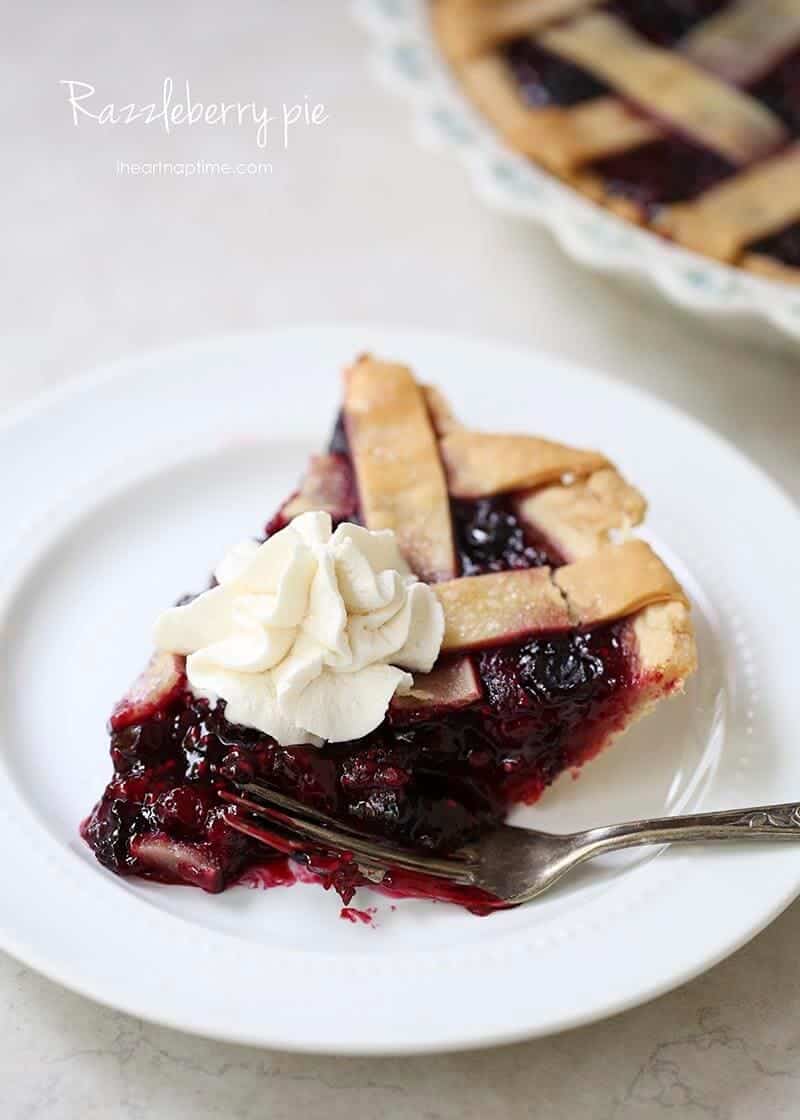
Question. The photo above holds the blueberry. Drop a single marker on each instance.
(491, 539)
(556, 668)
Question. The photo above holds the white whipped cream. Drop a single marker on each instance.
(309, 635)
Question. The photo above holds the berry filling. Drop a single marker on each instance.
(664, 171)
(780, 90)
(431, 783)
(490, 538)
(784, 246)
(546, 79)
(664, 22)
(548, 704)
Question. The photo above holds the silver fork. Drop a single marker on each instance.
(512, 864)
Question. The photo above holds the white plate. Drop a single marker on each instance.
(124, 489)
(407, 59)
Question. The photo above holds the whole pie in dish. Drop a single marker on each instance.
(436, 625)
(682, 115)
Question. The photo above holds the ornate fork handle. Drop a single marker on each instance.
(762, 820)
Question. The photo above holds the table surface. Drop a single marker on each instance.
(354, 222)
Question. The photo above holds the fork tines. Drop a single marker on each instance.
(293, 827)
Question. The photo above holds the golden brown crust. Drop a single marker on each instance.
(616, 582)
(499, 608)
(400, 478)
(665, 647)
(441, 414)
(479, 464)
(740, 42)
(580, 518)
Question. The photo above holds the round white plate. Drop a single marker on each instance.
(122, 491)
(408, 61)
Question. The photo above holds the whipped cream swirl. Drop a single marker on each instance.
(309, 635)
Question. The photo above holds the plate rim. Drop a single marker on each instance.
(126, 366)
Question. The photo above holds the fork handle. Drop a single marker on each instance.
(780, 821)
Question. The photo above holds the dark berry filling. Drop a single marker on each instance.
(431, 785)
(546, 79)
(664, 171)
(780, 90)
(490, 538)
(547, 704)
(664, 22)
(784, 246)
(555, 698)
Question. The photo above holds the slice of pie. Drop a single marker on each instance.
(436, 625)
(683, 114)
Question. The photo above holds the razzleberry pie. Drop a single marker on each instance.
(437, 624)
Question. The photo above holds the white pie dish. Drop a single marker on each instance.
(406, 58)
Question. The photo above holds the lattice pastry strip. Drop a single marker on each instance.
(503, 607)
(743, 40)
(584, 516)
(669, 87)
(480, 464)
(472, 27)
(399, 472)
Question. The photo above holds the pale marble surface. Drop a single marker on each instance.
(355, 222)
